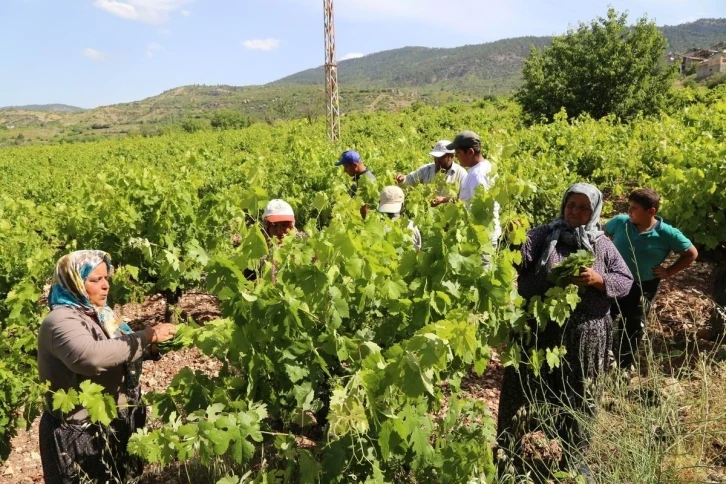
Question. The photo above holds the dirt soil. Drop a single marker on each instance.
(682, 308)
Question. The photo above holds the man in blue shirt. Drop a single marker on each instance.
(644, 241)
(353, 165)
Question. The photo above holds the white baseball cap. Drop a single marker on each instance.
(391, 200)
(278, 211)
(440, 149)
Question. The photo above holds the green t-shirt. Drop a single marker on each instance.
(643, 251)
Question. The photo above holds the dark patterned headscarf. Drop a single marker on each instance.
(582, 237)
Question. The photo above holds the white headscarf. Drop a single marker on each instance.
(582, 237)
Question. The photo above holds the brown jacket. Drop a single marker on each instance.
(73, 348)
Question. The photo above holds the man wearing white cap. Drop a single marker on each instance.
(467, 149)
(278, 219)
(443, 163)
(391, 203)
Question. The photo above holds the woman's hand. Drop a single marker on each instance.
(588, 277)
(160, 333)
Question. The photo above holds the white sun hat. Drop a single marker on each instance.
(278, 211)
(391, 200)
(440, 149)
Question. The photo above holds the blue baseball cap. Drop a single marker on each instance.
(349, 156)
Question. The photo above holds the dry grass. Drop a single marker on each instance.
(657, 428)
(667, 423)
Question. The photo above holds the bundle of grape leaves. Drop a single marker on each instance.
(572, 266)
(181, 339)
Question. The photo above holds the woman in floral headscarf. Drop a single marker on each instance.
(82, 339)
(565, 393)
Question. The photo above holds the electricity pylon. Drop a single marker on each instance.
(331, 74)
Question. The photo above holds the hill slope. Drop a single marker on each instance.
(497, 64)
(699, 34)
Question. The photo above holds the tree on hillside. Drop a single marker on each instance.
(229, 119)
(192, 125)
(602, 68)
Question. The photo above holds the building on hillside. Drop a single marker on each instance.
(694, 57)
(713, 65)
(705, 62)
(688, 61)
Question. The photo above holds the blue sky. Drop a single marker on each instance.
(98, 52)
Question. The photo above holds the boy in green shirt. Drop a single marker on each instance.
(644, 241)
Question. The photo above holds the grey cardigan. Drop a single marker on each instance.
(73, 348)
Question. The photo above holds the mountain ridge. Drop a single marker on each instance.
(434, 65)
(505, 58)
(46, 108)
(386, 80)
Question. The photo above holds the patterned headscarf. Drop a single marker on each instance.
(582, 237)
(69, 289)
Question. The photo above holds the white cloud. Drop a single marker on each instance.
(95, 55)
(153, 48)
(423, 11)
(148, 11)
(686, 20)
(120, 9)
(186, 13)
(261, 44)
(352, 55)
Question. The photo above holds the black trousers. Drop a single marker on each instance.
(75, 454)
(633, 310)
